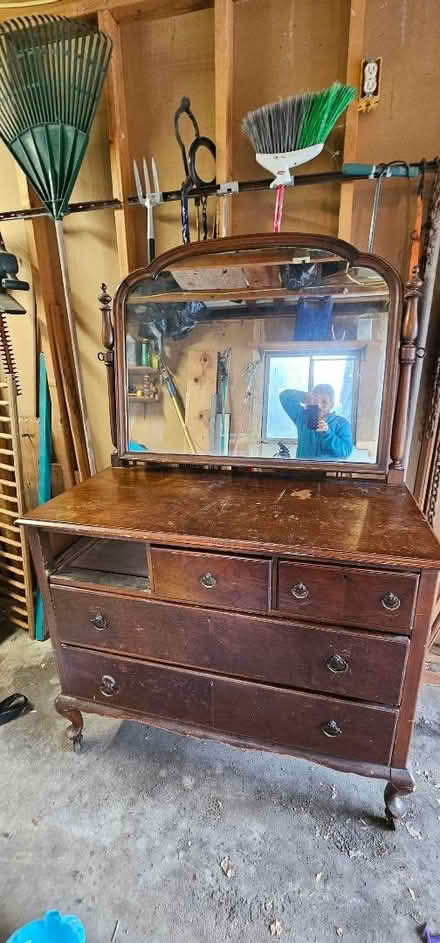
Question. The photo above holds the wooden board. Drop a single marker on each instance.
(283, 49)
(201, 385)
(354, 58)
(253, 513)
(119, 147)
(224, 58)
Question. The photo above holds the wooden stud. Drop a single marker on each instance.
(121, 169)
(72, 403)
(47, 273)
(354, 59)
(224, 57)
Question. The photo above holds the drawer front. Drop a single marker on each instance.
(135, 685)
(257, 712)
(211, 579)
(351, 664)
(369, 598)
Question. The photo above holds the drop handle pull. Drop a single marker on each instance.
(99, 621)
(391, 602)
(108, 686)
(331, 729)
(300, 591)
(208, 580)
(337, 664)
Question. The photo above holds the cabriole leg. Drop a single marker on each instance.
(397, 791)
(75, 728)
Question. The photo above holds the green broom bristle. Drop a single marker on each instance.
(322, 113)
(297, 122)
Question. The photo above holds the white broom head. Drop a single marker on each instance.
(281, 164)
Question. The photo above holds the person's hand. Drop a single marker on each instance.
(322, 426)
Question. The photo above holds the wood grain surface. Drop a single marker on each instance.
(276, 715)
(340, 520)
(280, 652)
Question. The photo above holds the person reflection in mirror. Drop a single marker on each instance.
(331, 439)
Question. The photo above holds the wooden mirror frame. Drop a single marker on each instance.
(392, 430)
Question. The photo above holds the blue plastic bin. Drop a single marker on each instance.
(52, 928)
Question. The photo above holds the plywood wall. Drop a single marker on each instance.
(281, 46)
(165, 60)
(284, 47)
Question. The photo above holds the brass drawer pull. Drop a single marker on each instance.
(391, 602)
(337, 664)
(99, 621)
(108, 686)
(331, 729)
(208, 580)
(299, 591)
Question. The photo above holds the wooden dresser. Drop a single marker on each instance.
(269, 604)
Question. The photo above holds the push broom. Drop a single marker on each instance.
(51, 74)
(294, 131)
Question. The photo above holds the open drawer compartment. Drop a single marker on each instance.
(98, 562)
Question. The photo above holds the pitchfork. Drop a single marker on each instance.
(149, 199)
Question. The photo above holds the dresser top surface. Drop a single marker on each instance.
(343, 520)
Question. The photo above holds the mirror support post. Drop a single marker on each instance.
(108, 340)
(407, 358)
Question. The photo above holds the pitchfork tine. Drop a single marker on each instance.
(146, 177)
(137, 178)
(155, 176)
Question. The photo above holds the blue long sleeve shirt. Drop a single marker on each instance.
(327, 446)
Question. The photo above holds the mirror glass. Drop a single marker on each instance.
(258, 353)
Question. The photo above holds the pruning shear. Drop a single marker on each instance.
(192, 178)
(149, 199)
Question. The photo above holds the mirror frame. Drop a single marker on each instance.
(198, 251)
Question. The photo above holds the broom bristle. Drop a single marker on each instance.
(298, 121)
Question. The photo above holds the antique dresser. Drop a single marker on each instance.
(251, 568)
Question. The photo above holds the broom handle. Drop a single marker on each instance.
(279, 203)
(74, 343)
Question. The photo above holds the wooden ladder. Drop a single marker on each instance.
(15, 567)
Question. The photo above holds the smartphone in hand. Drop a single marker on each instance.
(312, 413)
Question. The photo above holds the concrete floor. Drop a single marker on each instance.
(130, 835)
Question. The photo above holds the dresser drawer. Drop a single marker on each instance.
(352, 664)
(211, 579)
(136, 685)
(368, 598)
(257, 712)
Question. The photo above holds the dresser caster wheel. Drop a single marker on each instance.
(77, 743)
(75, 728)
(396, 794)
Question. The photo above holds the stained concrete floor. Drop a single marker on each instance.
(130, 835)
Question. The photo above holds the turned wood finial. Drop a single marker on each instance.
(407, 356)
(410, 324)
(105, 302)
(108, 340)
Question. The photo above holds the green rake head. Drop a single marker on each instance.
(51, 74)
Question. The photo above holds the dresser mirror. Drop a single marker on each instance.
(279, 353)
